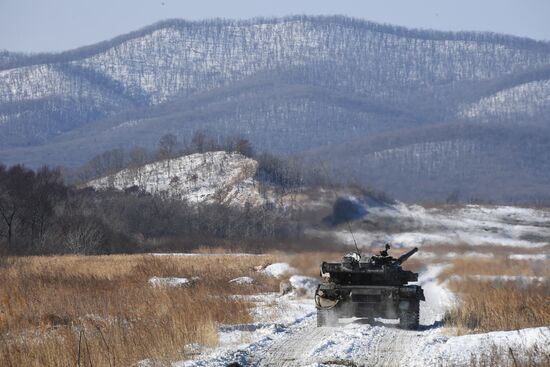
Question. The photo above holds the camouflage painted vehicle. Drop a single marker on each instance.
(368, 289)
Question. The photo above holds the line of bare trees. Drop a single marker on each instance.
(39, 214)
(169, 146)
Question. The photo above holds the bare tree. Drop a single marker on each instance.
(15, 184)
(167, 146)
(138, 157)
(199, 142)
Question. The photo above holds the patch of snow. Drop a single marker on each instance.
(520, 279)
(211, 177)
(524, 99)
(275, 317)
(439, 298)
(157, 282)
(242, 280)
(284, 332)
(413, 225)
(460, 350)
(300, 282)
(278, 270)
(529, 257)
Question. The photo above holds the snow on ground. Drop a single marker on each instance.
(285, 334)
(242, 280)
(534, 257)
(278, 270)
(519, 279)
(276, 317)
(209, 177)
(413, 225)
(426, 255)
(300, 282)
(172, 281)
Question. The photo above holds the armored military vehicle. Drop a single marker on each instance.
(368, 289)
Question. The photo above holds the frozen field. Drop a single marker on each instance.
(413, 225)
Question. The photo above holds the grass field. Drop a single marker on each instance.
(50, 305)
(104, 306)
(498, 294)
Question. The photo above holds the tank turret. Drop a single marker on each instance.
(381, 269)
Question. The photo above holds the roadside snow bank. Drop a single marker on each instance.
(277, 270)
(380, 345)
(525, 345)
(157, 282)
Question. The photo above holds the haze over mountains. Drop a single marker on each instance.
(418, 114)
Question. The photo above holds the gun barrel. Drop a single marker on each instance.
(405, 256)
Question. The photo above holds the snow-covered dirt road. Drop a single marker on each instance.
(356, 344)
(292, 338)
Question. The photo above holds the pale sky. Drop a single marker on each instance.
(57, 25)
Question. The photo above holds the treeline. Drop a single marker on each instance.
(39, 214)
(19, 60)
(284, 174)
(169, 146)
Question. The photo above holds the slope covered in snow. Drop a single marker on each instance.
(525, 100)
(219, 177)
(288, 84)
(413, 225)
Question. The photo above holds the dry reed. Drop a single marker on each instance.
(52, 307)
(498, 304)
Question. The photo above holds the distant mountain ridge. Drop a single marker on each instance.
(290, 85)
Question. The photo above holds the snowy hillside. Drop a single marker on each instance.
(292, 85)
(525, 100)
(210, 177)
(475, 225)
(176, 56)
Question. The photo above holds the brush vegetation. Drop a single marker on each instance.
(490, 304)
(50, 307)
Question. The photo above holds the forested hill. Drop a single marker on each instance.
(290, 85)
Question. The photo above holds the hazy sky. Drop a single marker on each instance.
(56, 25)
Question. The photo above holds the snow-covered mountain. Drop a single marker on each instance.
(212, 177)
(289, 85)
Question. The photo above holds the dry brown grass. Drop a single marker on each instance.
(496, 266)
(498, 251)
(47, 303)
(497, 305)
(486, 306)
